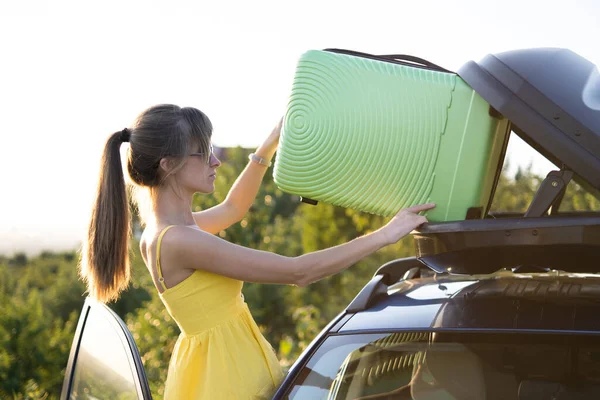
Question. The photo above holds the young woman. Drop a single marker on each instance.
(220, 353)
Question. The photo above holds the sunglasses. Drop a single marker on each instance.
(211, 152)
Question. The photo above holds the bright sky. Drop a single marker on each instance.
(71, 73)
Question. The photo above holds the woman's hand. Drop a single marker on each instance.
(404, 222)
(272, 141)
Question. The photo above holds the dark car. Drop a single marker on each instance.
(520, 333)
(501, 307)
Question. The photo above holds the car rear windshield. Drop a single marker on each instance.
(452, 366)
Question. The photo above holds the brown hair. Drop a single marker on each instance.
(161, 131)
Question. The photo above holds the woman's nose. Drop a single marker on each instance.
(214, 161)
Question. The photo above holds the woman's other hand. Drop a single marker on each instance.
(272, 141)
(405, 221)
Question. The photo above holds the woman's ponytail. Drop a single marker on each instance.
(105, 264)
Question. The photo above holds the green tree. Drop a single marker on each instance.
(34, 344)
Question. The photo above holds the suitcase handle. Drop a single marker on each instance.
(413, 59)
(403, 59)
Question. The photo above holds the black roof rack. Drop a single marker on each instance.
(520, 258)
(388, 274)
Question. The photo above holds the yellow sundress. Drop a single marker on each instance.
(220, 353)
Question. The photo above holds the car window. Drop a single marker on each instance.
(103, 368)
(451, 366)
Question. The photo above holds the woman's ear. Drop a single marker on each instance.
(166, 165)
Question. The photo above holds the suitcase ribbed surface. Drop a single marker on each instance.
(366, 134)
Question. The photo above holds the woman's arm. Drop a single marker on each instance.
(194, 249)
(242, 193)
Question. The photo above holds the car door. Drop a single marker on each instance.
(104, 362)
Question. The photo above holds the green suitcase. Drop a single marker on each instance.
(377, 134)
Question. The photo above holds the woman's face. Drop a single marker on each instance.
(197, 175)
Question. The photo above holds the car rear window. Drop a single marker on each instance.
(453, 366)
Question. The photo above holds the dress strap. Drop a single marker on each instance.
(158, 269)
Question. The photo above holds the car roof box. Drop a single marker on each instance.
(552, 98)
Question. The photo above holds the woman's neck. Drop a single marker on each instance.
(171, 208)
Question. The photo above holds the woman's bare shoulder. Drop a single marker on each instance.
(150, 235)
